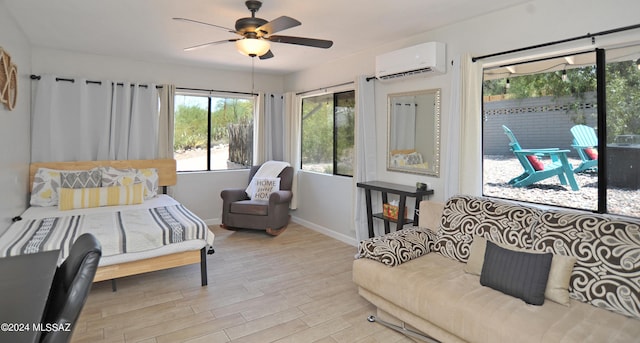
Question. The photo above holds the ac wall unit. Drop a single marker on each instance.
(422, 59)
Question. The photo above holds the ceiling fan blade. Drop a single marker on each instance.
(278, 24)
(203, 23)
(210, 43)
(312, 42)
(267, 55)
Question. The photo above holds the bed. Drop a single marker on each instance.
(153, 234)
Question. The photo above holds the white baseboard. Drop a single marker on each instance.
(212, 221)
(323, 230)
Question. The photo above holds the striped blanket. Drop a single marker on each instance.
(126, 229)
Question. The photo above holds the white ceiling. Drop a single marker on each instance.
(144, 30)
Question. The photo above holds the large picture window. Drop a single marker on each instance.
(565, 131)
(328, 133)
(213, 132)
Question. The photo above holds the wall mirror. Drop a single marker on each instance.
(413, 140)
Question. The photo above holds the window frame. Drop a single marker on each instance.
(337, 91)
(210, 95)
(601, 111)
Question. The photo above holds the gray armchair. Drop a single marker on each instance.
(239, 211)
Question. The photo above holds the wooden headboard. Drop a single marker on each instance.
(402, 152)
(166, 168)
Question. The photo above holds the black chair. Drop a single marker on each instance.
(70, 288)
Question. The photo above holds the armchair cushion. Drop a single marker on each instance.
(251, 207)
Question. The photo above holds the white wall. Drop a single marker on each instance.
(15, 138)
(520, 26)
(200, 192)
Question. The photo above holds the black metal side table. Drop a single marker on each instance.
(403, 191)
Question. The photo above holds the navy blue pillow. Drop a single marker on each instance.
(517, 273)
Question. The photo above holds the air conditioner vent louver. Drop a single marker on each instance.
(423, 59)
(406, 73)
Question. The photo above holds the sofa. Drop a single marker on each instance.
(483, 270)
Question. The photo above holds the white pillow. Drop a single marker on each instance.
(261, 188)
(125, 177)
(45, 187)
(118, 177)
(149, 179)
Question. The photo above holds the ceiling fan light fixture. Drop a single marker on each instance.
(253, 47)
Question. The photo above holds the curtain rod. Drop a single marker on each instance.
(213, 91)
(325, 88)
(38, 77)
(588, 35)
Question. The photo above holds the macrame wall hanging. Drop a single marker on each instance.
(8, 81)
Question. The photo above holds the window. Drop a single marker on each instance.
(328, 133)
(537, 116)
(213, 132)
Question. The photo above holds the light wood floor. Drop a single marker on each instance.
(292, 288)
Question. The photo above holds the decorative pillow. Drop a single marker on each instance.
(517, 273)
(414, 158)
(102, 196)
(81, 179)
(399, 160)
(396, 247)
(499, 221)
(557, 289)
(607, 272)
(118, 177)
(535, 162)
(592, 153)
(263, 187)
(149, 179)
(45, 187)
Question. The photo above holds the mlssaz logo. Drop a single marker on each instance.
(8, 81)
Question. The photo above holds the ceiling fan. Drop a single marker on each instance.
(256, 34)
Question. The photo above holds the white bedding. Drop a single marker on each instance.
(157, 227)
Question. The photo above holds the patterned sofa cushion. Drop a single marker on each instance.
(607, 271)
(397, 247)
(498, 221)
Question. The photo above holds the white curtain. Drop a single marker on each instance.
(366, 154)
(270, 128)
(80, 120)
(292, 119)
(166, 121)
(463, 129)
(404, 120)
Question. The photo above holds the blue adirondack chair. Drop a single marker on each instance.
(585, 141)
(534, 168)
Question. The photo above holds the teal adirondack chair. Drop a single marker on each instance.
(534, 168)
(585, 141)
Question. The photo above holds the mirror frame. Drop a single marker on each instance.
(434, 168)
